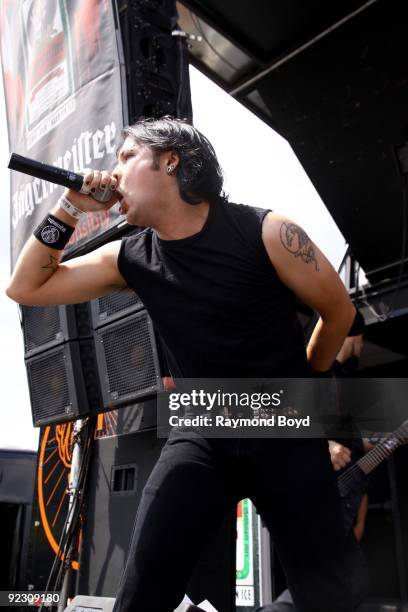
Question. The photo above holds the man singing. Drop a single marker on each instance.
(220, 281)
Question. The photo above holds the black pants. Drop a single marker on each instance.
(197, 482)
(359, 580)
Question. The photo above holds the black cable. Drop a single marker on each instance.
(76, 513)
(77, 501)
(65, 547)
(57, 554)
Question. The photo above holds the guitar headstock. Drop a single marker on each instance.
(397, 437)
(402, 432)
(392, 440)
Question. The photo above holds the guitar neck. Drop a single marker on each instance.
(381, 451)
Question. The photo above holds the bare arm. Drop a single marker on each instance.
(361, 519)
(303, 268)
(40, 279)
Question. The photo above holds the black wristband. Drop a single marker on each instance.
(53, 232)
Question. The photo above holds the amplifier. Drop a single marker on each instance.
(128, 360)
(63, 383)
(47, 326)
(114, 306)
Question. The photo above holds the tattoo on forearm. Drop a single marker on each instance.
(51, 265)
(296, 241)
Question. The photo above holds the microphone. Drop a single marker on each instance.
(56, 175)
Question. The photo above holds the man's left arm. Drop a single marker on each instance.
(303, 268)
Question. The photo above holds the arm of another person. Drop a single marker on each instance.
(361, 518)
(303, 268)
(39, 279)
(340, 456)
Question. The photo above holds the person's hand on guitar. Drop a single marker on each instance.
(340, 455)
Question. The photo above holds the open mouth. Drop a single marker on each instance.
(122, 207)
(122, 203)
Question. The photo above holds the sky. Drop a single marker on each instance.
(260, 169)
(16, 430)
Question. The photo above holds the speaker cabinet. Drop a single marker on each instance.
(157, 76)
(90, 357)
(114, 306)
(120, 467)
(63, 383)
(128, 360)
(47, 326)
(60, 362)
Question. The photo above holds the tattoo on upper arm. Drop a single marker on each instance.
(51, 265)
(296, 241)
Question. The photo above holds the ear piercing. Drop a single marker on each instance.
(170, 169)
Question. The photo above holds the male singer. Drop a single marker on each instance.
(220, 281)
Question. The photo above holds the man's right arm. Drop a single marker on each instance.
(39, 279)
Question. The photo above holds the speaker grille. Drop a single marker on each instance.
(130, 356)
(42, 326)
(49, 387)
(114, 306)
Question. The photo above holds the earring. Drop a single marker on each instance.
(170, 169)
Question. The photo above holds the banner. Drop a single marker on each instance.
(63, 92)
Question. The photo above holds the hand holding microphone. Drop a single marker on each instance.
(98, 191)
(91, 191)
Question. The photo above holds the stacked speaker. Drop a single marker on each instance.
(87, 358)
(126, 349)
(61, 362)
(156, 59)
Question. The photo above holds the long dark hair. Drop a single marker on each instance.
(198, 173)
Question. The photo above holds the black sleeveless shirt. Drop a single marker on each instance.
(216, 299)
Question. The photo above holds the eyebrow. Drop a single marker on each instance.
(120, 149)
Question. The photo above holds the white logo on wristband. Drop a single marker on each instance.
(50, 234)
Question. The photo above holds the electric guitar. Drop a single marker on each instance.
(352, 482)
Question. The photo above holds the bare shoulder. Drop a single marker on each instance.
(302, 266)
(284, 238)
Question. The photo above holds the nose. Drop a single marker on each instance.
(116, 172)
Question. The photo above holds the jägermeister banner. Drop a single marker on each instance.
(62, 86)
